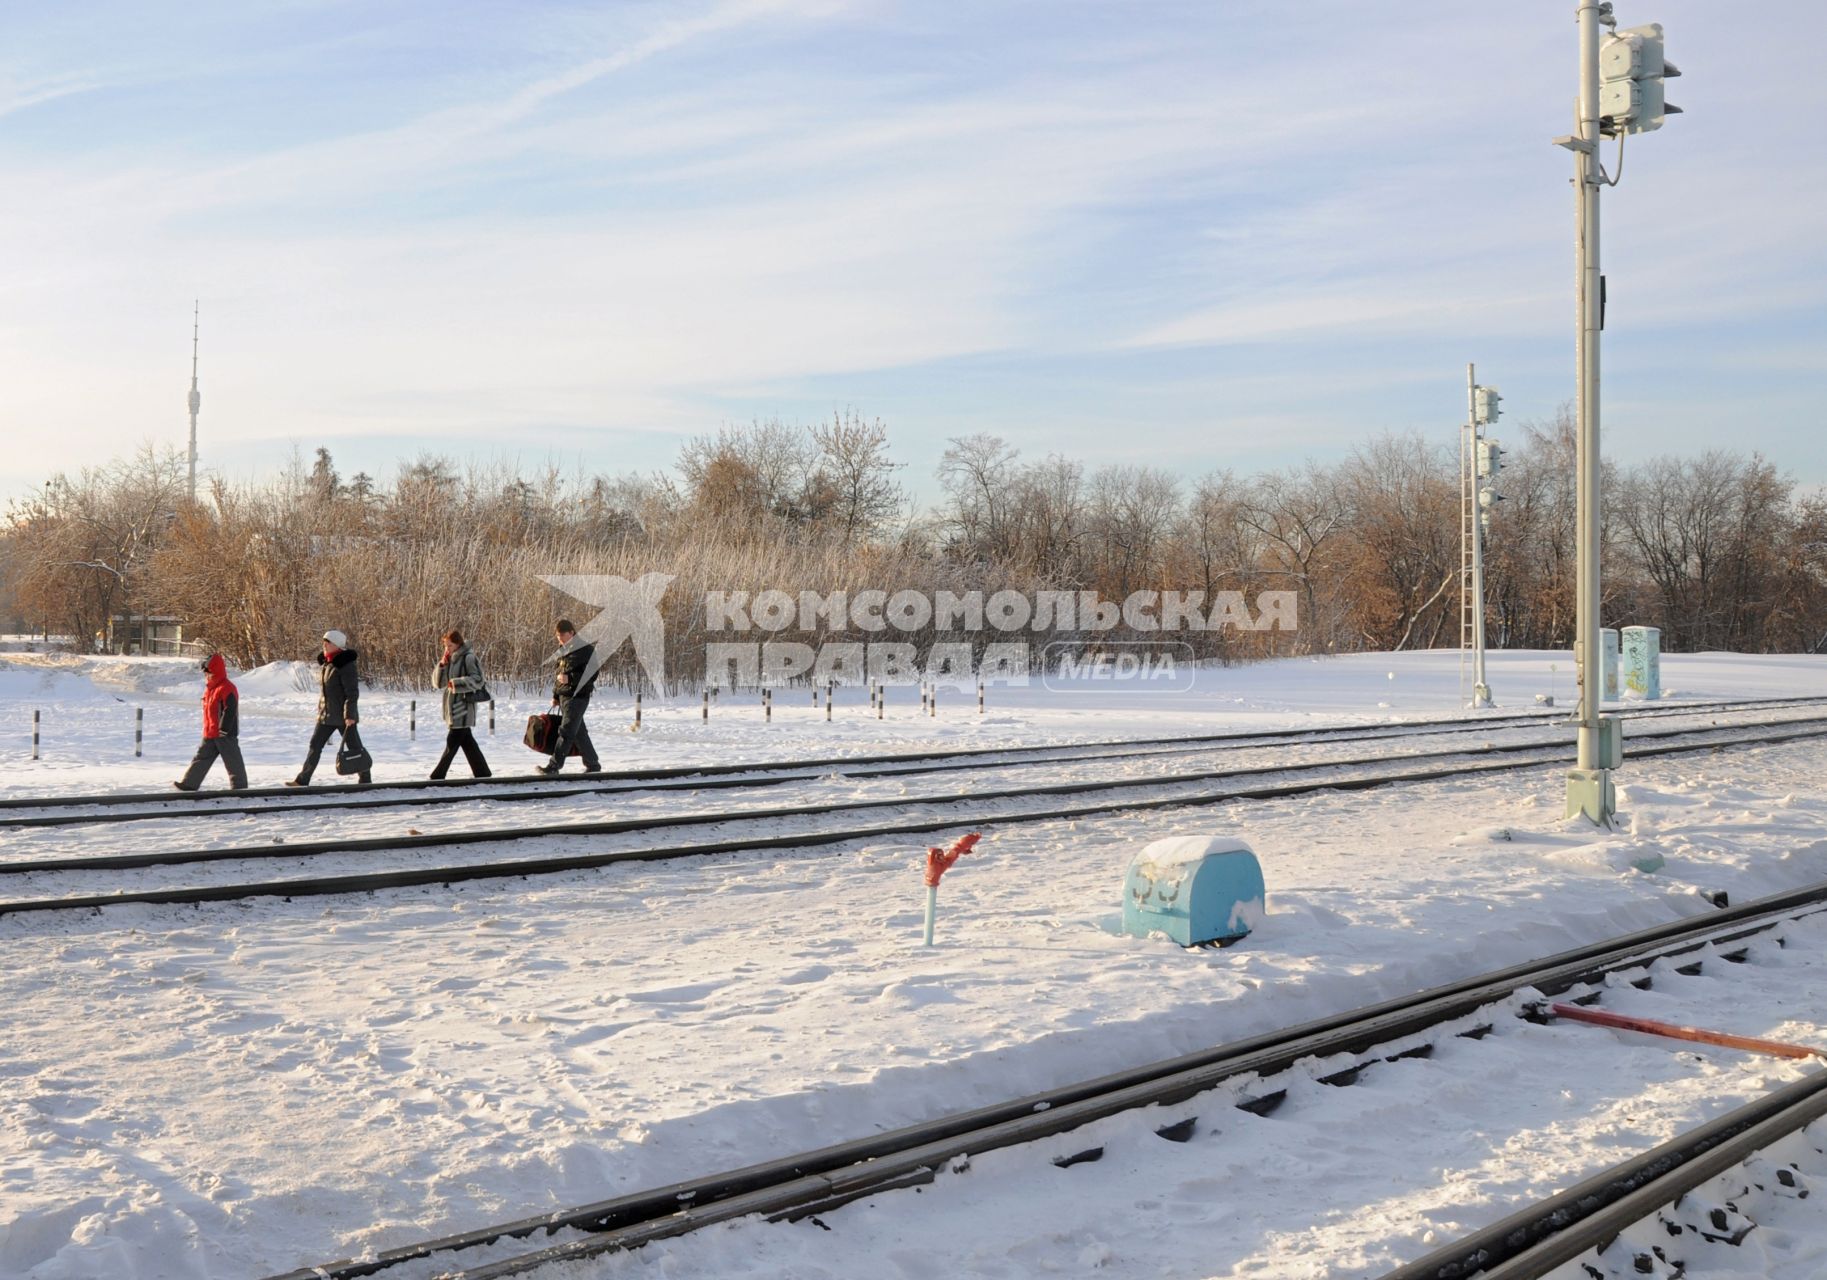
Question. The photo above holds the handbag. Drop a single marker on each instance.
(480, 693)
(353, 759)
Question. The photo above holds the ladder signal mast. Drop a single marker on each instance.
(1480, 459)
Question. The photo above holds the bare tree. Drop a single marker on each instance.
(1133, 510)
(976, 473)
(83, 543)
(1404, 539)
(853, 464)
(1706, 532)
(748, 474)
(1044, 522)
(1300, 514)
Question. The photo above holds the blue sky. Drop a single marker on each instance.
(1194, 235)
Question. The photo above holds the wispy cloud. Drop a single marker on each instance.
(21, 95)
(630, 217)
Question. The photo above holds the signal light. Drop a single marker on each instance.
(1632, 67)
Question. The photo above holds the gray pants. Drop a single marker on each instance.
(230, 751)
(571, 730)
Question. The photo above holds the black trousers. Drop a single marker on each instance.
(319, 736)
(465, 739)
(230, 752)
(571, 730)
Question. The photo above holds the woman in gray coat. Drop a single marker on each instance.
(459, 674)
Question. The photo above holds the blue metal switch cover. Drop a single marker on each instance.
(1193, 890)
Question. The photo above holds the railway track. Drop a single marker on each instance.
(45, 811)
(1244, 1073)
(1299, 780)
(1592, 1214)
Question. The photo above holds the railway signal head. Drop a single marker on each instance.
(1632, 67)
(1490, 458)
(1485, 401)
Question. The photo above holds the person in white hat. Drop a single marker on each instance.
(336, 713)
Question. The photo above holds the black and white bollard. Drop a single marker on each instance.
(139, 730)
(412, 719)
(767, 705)
(830, 697)
(980, 697)
(34, 735)
(707, 704)
(637, 710)
(491, 717)
(932, 701)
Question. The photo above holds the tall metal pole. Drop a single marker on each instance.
(1465, 554)
(1589, 786)
(196, 397)
(1481, 690)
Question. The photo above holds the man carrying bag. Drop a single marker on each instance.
(571, 690)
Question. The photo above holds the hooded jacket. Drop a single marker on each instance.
(336, 678)
(221, 702)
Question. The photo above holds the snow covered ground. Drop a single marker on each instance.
(87, 710)
(238, 1089)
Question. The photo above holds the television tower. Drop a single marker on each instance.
(196, 397)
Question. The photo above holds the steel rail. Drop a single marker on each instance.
(678, 771)
(420, 876)
(811, 1181)
(107, 862)
(1540, 1238)
(609, 779)
(740, 776)
(618, 826)
(696, 778)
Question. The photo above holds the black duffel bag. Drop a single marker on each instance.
(542, 732)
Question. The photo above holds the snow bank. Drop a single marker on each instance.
(283, 679)
(114, 675)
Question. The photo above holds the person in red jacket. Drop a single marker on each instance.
(221, 730)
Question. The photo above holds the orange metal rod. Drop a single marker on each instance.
(1622, 1022)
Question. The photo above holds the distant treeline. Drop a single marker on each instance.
(1720, 551)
